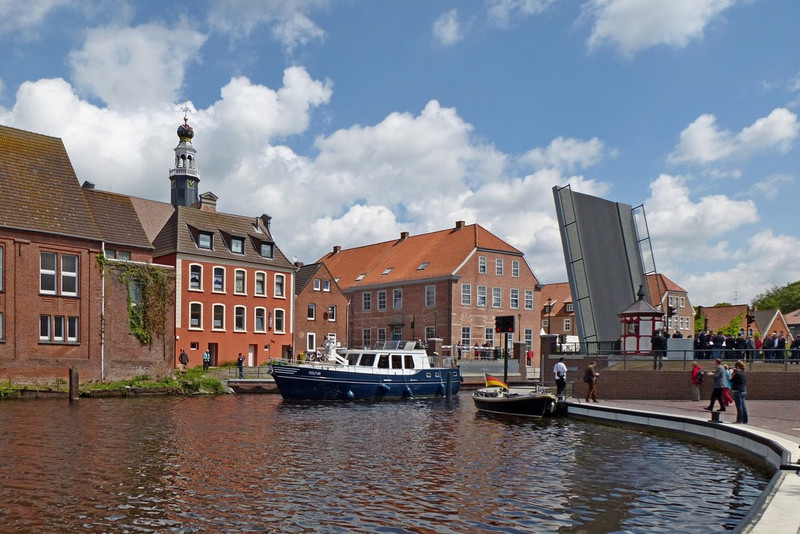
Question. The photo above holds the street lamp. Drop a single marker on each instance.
(549, 309)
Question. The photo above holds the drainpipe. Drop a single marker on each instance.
(102, 315)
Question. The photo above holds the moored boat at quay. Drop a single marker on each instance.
(390, 370)
(498, 398)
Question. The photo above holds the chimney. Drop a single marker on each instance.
(266, 219)
(459, 225)
(88, 185)
(298, 264)
(208, 202)
(403, 236)
(337, 249)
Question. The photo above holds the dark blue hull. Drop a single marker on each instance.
(319, 383)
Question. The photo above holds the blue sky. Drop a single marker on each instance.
(351, 121)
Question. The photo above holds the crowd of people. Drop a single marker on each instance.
(710, 345)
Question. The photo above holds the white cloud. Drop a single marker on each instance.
(290, 21)
(635, 25)
(772, 187)
(133, 68)
(501, 12)
(703, 142)
(447, 28)
(26, 17)
(566, 153)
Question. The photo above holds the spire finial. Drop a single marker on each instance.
(186, 111)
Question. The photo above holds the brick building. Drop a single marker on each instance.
(449, 284)
(670, 298)
(320, 308)
(61, 306)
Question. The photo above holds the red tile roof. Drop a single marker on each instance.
(421, 257)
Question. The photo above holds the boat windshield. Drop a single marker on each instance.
(367, 360)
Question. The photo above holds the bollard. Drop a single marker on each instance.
(74, 393)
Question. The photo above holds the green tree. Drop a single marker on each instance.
(786, 298)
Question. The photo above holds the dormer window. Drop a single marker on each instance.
(266, 250)
(237, 245)
(205, 240)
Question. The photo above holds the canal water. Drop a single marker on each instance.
(252, 463)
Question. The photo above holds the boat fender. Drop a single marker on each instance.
(440, 391)
(384, 388)
(408, 393)
(350, 395)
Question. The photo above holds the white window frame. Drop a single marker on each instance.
(466, 336)
(366, 301)
(482, 265)
(280, 321)
(45, 328)
(311, 341)
(317, 284)
(214, 309)
(366, 337)
(513, 299)
(279, 291)
(397, 298)
(466, 294)
(260, 315)
(326, 285)
(569, 308)
(198, 286)
(59, 328)
(529, 299)
(221, 269)
(199, 306)
(497, 297)
(567, 324)
(515, 268)
(311, 312)
(480, 297)
(331, 313)
(380, 335)
(380, 297)
(48, 274)
(240, 275)
(498, 266)
(67, 275)
(430, 296)
(261, 277)
(72, 329)
(240, 318)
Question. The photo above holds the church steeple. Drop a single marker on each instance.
(184, 177)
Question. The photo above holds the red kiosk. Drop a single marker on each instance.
(638, 323)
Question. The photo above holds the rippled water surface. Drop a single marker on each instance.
(257, 464)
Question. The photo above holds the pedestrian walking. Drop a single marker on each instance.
(739, 387)
(240, 365)
(590, 376)
(183, 359)
(717, 385)
(560, 372)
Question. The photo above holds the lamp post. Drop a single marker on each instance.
(549, 309)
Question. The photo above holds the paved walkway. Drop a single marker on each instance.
(777, 416)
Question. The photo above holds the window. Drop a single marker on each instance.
(381, 335)
(44, 328)
(110, 253)
(47, 276)
(528, 299)
(545, 323)
(528, 338)
(430, 332)
(317, 284)
(311, 341)
(218, 317)
(58, 328)
(266, 250)
(430, 296)
(72, 330)
(497, 297)
(124, 255)
(205, 240)
(311, 314)
(671, 300)
(569, 307)
(366, 337)
(196, 277)
(481, 298)
(548, 308)
(69, 275)
(683, 302)
(280, 325)
(260, 320)
(219, 279)
(261, 284)
(387, 270)
(280, 286)
(466, 336)
(332, 313)
(326, 285)
(397, 333)
(423, 265)
(366, 301)
(237, 245)
(382, 299)
(239, 282)
(1, 279)
(489, 336)
(515, 268)
(498, 266)
(397, 299)
(567, 325)
(481, 264)
(239, 315)
(466, 294)
(195, 316)
(513, 299)
(1, 326)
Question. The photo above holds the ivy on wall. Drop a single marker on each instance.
(150, 297)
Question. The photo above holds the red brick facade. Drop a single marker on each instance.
(313, 326)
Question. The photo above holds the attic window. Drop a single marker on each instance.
(205, 240)
(423, 265)
(387, 270)
(266, 250)
(360, 277)
(237, 245)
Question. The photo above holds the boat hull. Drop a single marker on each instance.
(304, 382)
(525, 404)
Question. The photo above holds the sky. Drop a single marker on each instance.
(351, 121)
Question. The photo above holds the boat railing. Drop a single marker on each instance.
(398, 344)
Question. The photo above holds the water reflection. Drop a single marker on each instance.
(254, 463)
